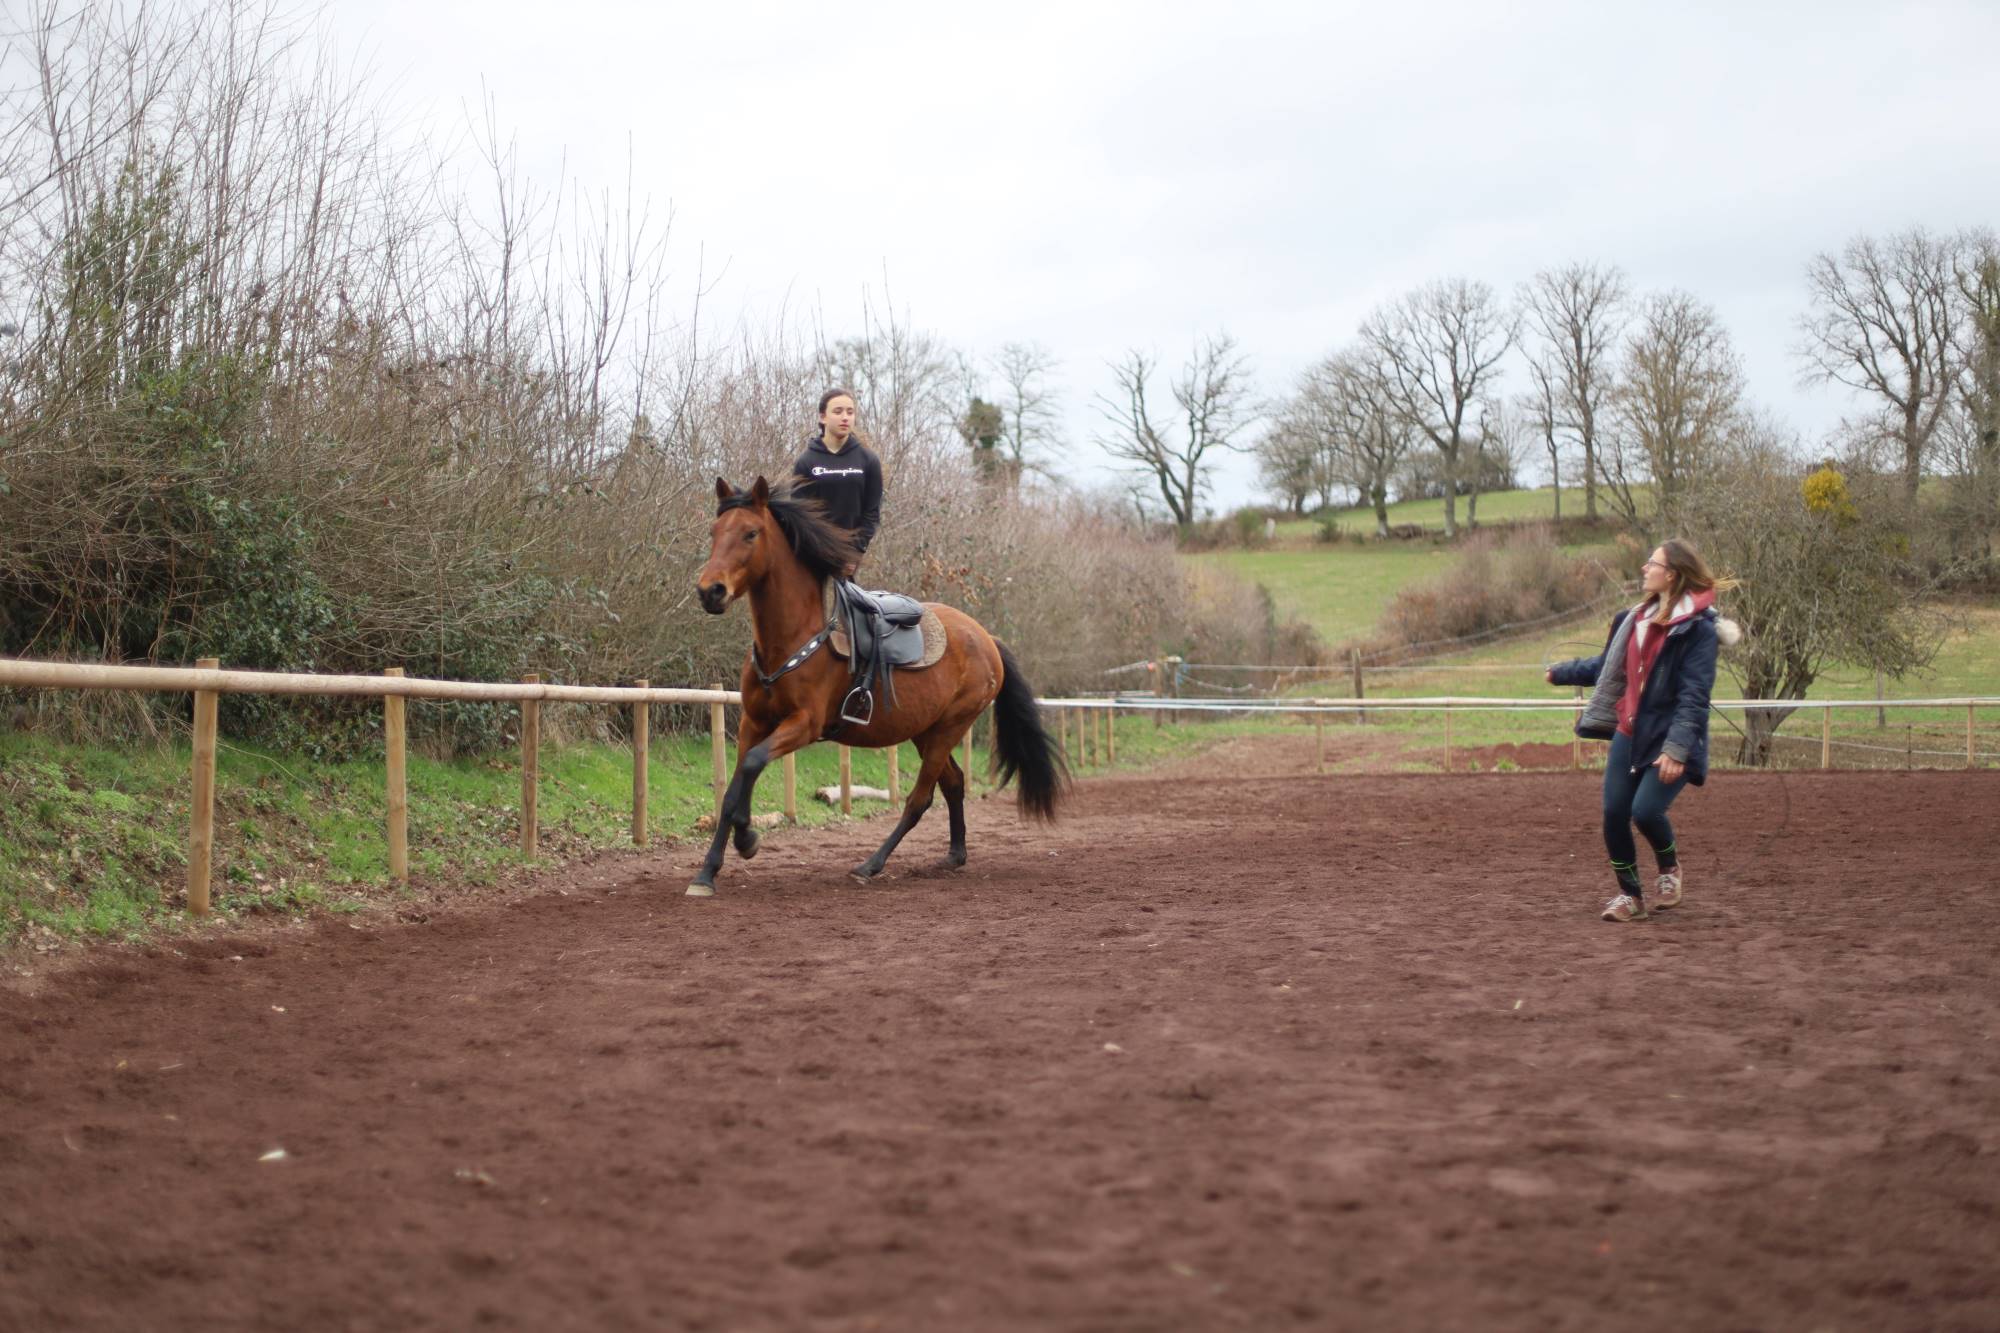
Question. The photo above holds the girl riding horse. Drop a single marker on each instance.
(778, 550)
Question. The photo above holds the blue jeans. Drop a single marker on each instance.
(1630, 799)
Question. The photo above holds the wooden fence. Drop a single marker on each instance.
(1086, 729)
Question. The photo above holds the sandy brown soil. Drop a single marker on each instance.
(1240, 1054)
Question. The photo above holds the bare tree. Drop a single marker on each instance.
(1885, 321)
(1372, 436)
(1497, 451)
(1030, 416)
(1977, 424)
(1541, 409)
(1441, 346)
(1212, 399)
(1577, 313)
(1677, 400)
(1291, 456)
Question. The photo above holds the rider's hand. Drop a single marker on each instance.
(1550, 675)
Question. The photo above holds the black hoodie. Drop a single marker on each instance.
(848, 483)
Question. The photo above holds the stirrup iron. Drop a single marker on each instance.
(861, 713)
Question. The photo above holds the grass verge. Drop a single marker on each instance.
(93, 839)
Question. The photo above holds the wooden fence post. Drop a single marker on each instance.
(201, 831)
(1319, 737)
(1447, 738)
(1826, 738)
(895, 775)
(1970, 759)
(395, 736)
(1062, 731)
(1360, 714)
(1174, 685)
(531, 752)
(1111, 732)
(1159, 692)
(718, 745)
(846, 781)
(642, 727)
(792, 787)
(1576, 741)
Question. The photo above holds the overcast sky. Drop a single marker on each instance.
(1100, 176)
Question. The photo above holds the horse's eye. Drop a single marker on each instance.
(749, 536)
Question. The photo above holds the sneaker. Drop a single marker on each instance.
(1625, 908)
(1667, 891)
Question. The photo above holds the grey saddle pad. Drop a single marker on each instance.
(911, 647)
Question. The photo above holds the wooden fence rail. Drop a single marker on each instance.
(1094, 737)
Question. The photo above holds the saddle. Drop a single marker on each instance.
(878, 632)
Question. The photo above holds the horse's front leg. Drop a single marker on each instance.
(754, 752)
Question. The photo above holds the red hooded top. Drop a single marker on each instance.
(1642, 650)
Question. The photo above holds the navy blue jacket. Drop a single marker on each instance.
(1673, 708)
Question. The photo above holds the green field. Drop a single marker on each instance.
(1494, 507)
(1342, 588)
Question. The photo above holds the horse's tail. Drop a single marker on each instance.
(1023, 745)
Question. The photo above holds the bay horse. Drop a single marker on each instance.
(779, 549)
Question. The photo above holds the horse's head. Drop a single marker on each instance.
(739, 544)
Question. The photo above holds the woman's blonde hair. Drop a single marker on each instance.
(1690, 574)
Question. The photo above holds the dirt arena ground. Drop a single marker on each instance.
(1243, 1053)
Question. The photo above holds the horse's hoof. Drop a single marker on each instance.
(951, 863)
(701, 891)
(747, 842)
(861, 874)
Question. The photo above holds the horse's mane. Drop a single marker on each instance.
(823, 547)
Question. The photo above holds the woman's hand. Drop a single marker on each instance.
(1550, 675)
(1670, 768)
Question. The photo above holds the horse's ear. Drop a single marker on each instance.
(760, 493)
(723, 490)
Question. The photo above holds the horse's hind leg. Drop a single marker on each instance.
(952, 783)
(922, 792)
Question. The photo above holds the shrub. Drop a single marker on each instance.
(1500, 581)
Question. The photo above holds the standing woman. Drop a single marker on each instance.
(841, 472)
(1652, 683)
